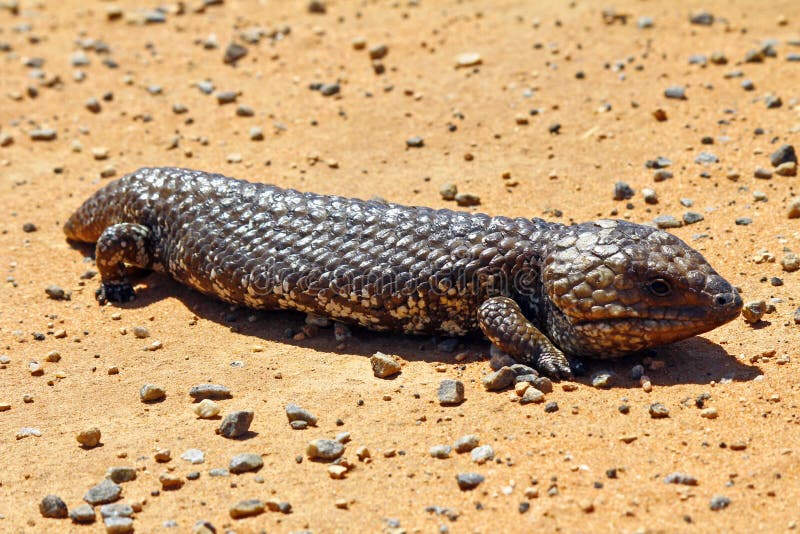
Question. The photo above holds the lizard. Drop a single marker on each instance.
(541, 291)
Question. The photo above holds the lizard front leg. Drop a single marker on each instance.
(120, 248)
(503, 323)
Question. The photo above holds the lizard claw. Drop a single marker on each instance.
(114, 293)
(555, 365)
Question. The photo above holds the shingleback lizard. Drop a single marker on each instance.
(538, 290)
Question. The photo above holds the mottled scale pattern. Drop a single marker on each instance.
(597, 289)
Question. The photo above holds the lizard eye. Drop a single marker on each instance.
(660, 287)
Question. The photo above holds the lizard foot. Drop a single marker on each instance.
(554, 364)
(114, 293)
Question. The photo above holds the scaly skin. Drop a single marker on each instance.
(536, 289)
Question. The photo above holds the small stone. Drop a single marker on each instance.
(298, 425)
(482, 454)
(448, 191)
(662, 174)
(468, 59)
(89, 438)
(500, 379)
(118, 525)
(441, 452)
(204, 527)
(56, 293)
(233, 53)
(466, 443)
(650, 196)
(141, 332)
(105, 492)
(324, 449)
(762, 173)
(660, 115)
(706, 158)
(317, 7)
(709, 413)
(152, 393)
(785, 153)
(676, 92)
(658, 411)
(245, 463)
(667, 221)
(551, 407)
(378, 51)
(247, 508)
(194, 456)
(692, 217)
(415, 142)
(179, 108)
(162, 456)
(116, 510)
(43, 134)
(790, 262)
(469, 481)
(170, 482)
(384, 366)
(296, 413)
(83, 514)
(532, 396)
(256, 134)
(788, 168)
(680, 478)
(773, 102)
(754, 310)
(702, 18)
(359, 43)
(622, 191)
(121, 474)
(467, 199)
(603, 379)
(738, 446)
(451, 392)
(794, 209)
(206, 409)
(93, 105)
(53, 507)
(210, 391)
(719, 502)
(236, 424)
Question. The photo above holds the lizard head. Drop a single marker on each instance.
(614, 287)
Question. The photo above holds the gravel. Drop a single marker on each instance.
(43, 134)
(194, 456)
(245, 463)
(623, 191)
(83, 514)
(500, 379)
(784, 154)
(89, 437)
(296, 413)
(152, 393)
(415, 142)
(658, 411)
(482, 454)
(677, 92)
(466, 443)
(105, 492)
(121, 474)
(719, 502)
(680, 478)
(469, 481)
(210, 391)
(53, 507)
(236, 424)
(206, 409)
(441, 452)
(324, 450)
(118, 525)
(384, 366)
(451, 392)
(233, 53)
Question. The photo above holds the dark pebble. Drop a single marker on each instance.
(658, 163)
(451, 392)
(773, 102)
(691, 217)
(83, 514)
(53, 507)
(236, 424)
(467, 199)
(703, 18)
(784, 154)
(680, 478)
(551, 407)
(104, 492)
(415, 142)
(469, 481)
(234, 53)
(56, 293)
(210, 391)
(744, 221)
(719, 502)
(676, 92)
(296, 413)
(29, 227)
(329, 89)
(658, 411)
(623, 191)
(245, 463)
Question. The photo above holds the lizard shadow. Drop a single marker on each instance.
(692, 361)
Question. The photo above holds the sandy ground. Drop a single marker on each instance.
(600, 80)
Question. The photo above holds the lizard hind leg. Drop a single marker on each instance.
(503, 322)
(122, 249)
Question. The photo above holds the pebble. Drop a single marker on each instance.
(210, 391)
(794, 209)
(378, 51)
(247, 508)
(532, 396)
(551, 407)
(204, 527)
(116, 510)
(448, 191)
(179, 108)
(105, 492)
(788, 168)
(233, 53)
(28, 431)
(784, 154)
(43, 134)
(469, 481)
(256, 133)
(790, 262)
(644, 22)
(53, 507)
(754, 310)
(93, 105)
(677, 92)
(83, 514)
(236, 424)
(415, 142)
(218, 472)
(170, 482)
(317, 7)
(719, 502)
(482, 454)
(762, 173)
(773, 102)
(6, 139)
(650, 196)
(667, 221)
(226, 97)
(467, 199)
(121, 474)
(466, 443)
(162, 456)
(56, 293)
(245, 463)
(206, 409)
(118, 525)
(141, 332)
(324, 449)
(500, 379)
(451, 392)
(623, 191)
(329, 89)
(194, 456)
(662, 174)
(680, 478)
(89, 437)
(709, 413)
(384, 366)
(244, 111)
(692, 217)
(702, 18)
(658, 411)
(151, 393)
(296, 413)
(468, 59)
(441, 452)
(706, 158)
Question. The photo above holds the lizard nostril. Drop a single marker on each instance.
(723, 299)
